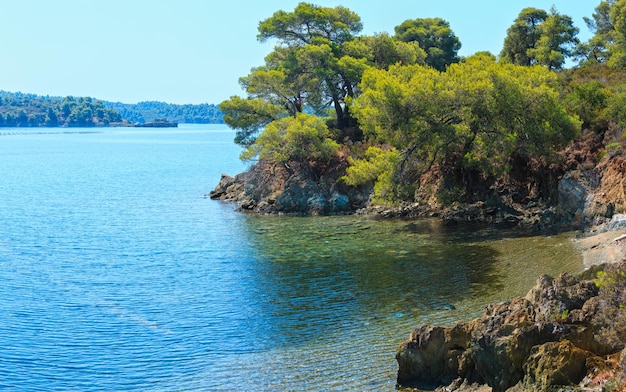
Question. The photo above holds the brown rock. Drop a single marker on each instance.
(558, 335)
(555, 363)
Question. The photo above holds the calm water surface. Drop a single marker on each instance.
(117, 274)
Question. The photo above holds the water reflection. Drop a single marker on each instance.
(314, 277)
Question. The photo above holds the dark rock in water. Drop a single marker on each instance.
(556, 336)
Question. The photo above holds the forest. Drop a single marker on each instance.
(401, 108)
(30, 110)
(148, 111)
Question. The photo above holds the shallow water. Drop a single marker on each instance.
(117, 274)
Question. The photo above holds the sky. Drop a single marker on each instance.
(194, 51)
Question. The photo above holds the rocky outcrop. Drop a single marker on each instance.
(591, 197)
(566, 332)
(276, 189)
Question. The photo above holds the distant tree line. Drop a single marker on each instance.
(148, 111)
(30, 110)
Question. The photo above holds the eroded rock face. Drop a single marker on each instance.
(554, 336)
(272, 189)
(592, 197)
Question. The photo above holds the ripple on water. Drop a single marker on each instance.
(117, 275)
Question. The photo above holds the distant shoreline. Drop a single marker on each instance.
(110, 125)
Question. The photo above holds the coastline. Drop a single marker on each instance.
(567, 333)
(604, 247)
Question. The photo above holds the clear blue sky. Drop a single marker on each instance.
(194, 51)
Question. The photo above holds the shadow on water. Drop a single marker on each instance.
(468, 232)
(320, 275)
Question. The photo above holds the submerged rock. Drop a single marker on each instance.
(560, 334)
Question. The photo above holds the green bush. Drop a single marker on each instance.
(303, 138)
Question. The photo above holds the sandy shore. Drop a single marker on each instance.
(607, 247)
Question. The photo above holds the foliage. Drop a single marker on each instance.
(556, 42)
(596, 93)
(303, 139)
(608, 44)
(307, 22)
(557, 315)
(595, 51)
(382, 51)
(29, 110)
(474, 117)
(148, 111)
(538, 37)
(615, 107)
(315, 67)
(522, 36)
(435, 37)
(377, 166)
(587, 100)
(249, 116)
(311, 57)
(617, 37)
(418, 105)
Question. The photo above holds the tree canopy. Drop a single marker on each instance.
(539, 37)
(308, 23)
(315, 67)
(596, 50)
(30, 110)
(474, 117)
(435, 37)
(304, 138)
(403, 104)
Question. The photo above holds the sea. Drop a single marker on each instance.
(117, 273)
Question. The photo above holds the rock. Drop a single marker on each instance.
(554, 364)
(573, 196)
(273, 189)
(340, 202)
(426, 358)
(592, 197)
(222, 189)
(558, 335)
(551, 297)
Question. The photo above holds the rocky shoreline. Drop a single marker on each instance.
(585, 198)
(567, 334)
(604, 247)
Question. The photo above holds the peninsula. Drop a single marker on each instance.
(400, 125)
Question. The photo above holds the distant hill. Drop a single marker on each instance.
(31, 110)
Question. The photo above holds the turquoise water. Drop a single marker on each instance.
(116, 273)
